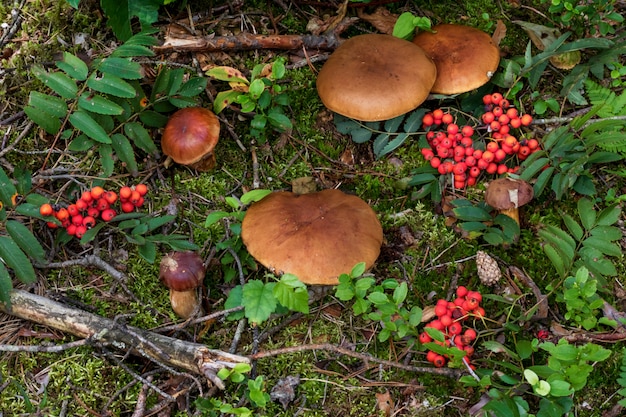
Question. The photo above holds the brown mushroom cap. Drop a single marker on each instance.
(316, 236)
(190, 136)
(375, 77)
(465, 57)
(508, 193)
(182, 271)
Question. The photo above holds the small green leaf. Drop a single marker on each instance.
(193, 87)
(572, 225)
(587, 213)
(6, 285)
(52, 105)
(229, 74)
(607, 233)
(607, 248)
(556, 259)
(224, 99)
(7, 189)
(215, 216)
(131, 51)
(254, 196)
(141, 137)
(609, 216)
(111, 84)
(73, 66)
(258, 300)
(292, 293)
(81, 144)
(148, 251)
(124, 151)
(82, 121)
(120, 67)
(25, 240)
(358, 270)
(91, 233)
(57, 82)
(15, 259)
(43, 119)
(472, 214)
(99, 104)
(400, 293)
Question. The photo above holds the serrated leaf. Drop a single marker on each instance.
(572, 225)
(44, 120)
(125, 152)
(471, 214)
(258, 300)
(111, 84)
(292, 293)
(609, 216)
(73, 66)
(563, 242)
(148, 251)
(392, 125)
(52, 105)
(15, 259)
(587, 213)
(99, 104)
(82, 121)
(6, 285)
(129, 50)
(57, 82)
(413, 122)
(607, 233)
(120, 67)
(542, 181)
(7, 189)
(141, 138)
(193, 87)
(81, 143)
(360, 135)
(607, 248)
(152, 118)
(529, 172)
(106, 159)
(25, 239)
(90, 234)
(556, 259)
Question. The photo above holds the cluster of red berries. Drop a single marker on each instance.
(92, 205)
(452, 148)
(450, 318)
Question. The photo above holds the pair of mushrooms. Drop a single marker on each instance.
(316, 236)
(378, 77)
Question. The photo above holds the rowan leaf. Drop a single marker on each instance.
(15, 259)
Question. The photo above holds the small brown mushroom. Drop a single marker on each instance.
(466, 57)
(190, 137)
(316, 236)
(375, 77)
(507, 195)
(183, 273)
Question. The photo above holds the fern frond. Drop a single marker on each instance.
(611, 141)
(612, 105)
(622, 379)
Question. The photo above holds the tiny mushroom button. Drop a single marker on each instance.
(190, 137)
(183, 273)
(316, 236)
(375, 77)
(507, 195)
(466, 57)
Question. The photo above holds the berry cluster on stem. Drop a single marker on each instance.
(93, 205)
(449, 321)
(452, 148)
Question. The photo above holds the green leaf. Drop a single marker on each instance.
(292, 293)
(572, 225)
(73, 66)
(120, 67)
(141, 138)
(7, 189)
(258, 300)
(90, 234)
(99, 104)
(358, 270)
(106, 159)
(25, 240)
(111, 84)
(607, 233)
(607, 248)
(130, 51)
(57, 82)
(120, 13)
(81, 144)
(609, 216)
(254, 196)
(193, 87)
(15, 259)
(43, 119)
(400, 293)
(82, 121)
(587, 213)
(560, 240)
(6, 285)
(471, 213)
(148, 251)
(215, 216)
(124, 151)
(528, 172)
(542, 181)
(54, 106)
(279, 121)
(224, 99)
(556, 259)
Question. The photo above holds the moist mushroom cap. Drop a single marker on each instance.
(466, 57)
(508, 193)
(316, 236)
(190, 135)
(182, 271)
(375, 77)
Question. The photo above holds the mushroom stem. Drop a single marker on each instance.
(184, 303)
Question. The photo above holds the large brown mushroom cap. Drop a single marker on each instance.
(375, 77)
(316, 236)
(466, 57)
(190, 136)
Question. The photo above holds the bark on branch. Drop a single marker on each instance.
(192, 357)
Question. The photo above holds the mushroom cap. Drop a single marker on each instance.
(190, 135)
(316, 236)
(375, 77)
(182, 271)
(465, 57)
(508, 193)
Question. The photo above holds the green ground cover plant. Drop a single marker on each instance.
(86, 99)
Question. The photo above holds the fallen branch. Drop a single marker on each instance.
(246, 42)
(193, 357)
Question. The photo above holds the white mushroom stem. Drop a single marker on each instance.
(185, 303)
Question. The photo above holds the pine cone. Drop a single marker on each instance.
(488, 269)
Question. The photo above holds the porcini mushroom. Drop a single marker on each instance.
(507, 195)
(316, 236)
(190, 137)
(375, 77)
(466, 57)
(183, 272)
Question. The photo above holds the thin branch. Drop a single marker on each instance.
(44, 349)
